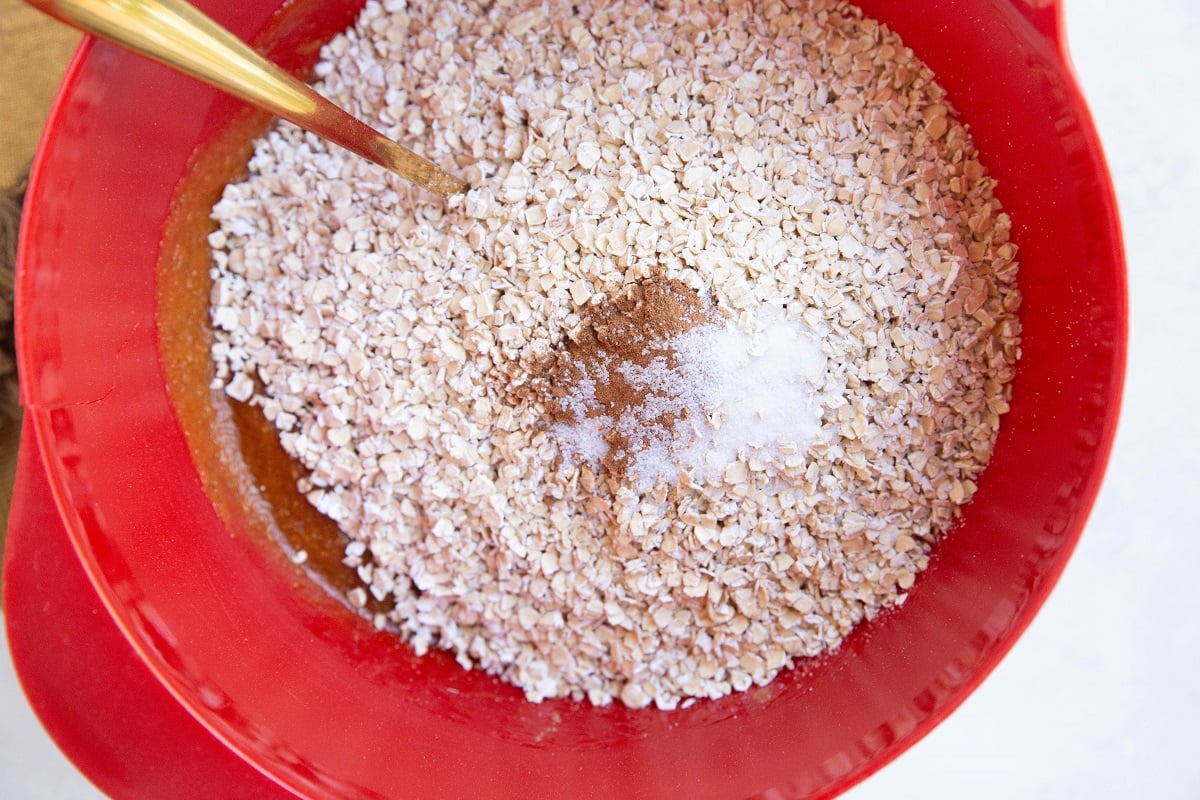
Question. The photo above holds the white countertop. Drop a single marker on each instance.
(1098, 698)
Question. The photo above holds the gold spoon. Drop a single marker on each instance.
(175, 33)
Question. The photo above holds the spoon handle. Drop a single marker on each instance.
(175, 33)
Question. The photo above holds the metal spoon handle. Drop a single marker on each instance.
(175, 33)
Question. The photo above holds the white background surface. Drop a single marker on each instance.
(1099, 698)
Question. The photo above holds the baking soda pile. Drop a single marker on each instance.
(791, 163)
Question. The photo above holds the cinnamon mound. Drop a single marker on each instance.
(587, 380)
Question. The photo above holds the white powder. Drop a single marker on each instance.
(764, 394)
(733, 394)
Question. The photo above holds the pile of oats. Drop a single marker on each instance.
(788, 159)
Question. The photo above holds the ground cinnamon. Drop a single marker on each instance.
(588, 376)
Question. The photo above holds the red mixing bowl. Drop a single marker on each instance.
(313, 697)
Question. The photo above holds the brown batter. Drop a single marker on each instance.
(244, 469)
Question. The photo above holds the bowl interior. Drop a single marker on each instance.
(311, 695)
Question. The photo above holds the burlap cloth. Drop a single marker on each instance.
(34, 51)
